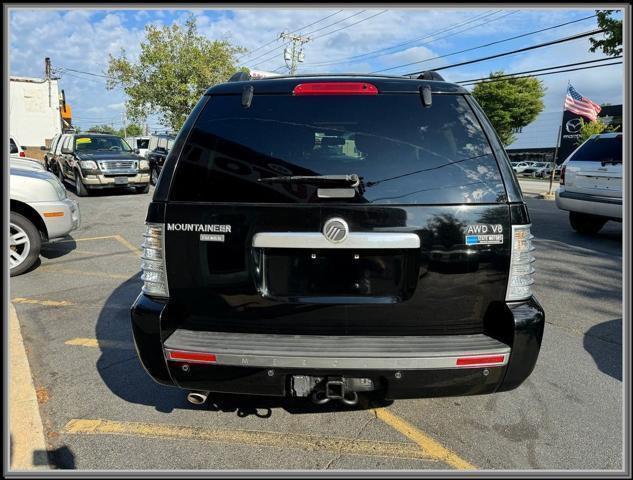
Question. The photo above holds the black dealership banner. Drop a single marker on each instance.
(569, 135)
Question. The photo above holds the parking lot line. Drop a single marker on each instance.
(427, 444)
(284, 440)
(123, 241)
(54, 269)
(47, 303)
(94, 343)
(119, 238)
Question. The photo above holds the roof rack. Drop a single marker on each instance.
(427, 75)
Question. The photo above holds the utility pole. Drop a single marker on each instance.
(47, 76)
(295, 53)
(124, 124)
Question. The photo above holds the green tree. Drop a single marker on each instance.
(175, 67)
(594, 127)
(612, 43)
(132, 130)
(510, 103)
(102, 129)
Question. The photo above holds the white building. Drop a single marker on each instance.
(34, 115)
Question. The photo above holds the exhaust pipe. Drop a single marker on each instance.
(197, 398)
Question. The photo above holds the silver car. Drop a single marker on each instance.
(40, 212)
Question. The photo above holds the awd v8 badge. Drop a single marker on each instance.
(484, 234)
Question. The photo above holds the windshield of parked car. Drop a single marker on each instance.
(600, 149)
(101, 143)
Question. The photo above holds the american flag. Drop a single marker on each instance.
(575, 102)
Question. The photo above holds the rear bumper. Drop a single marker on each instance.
(610, 207)
(401, 367)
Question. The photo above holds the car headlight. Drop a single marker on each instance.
(144, 165)
(88, 165)
(59, 188)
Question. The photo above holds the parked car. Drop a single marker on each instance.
(40, 212)
(591, 183)
(139, 143)
(93, 161)
(521, 167)
(15, 149)
(546, 172)
(50, 152)
(534, 167)
(273, 264)
(159, 147)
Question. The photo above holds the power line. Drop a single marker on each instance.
(294, 31)
(87, 73)
(346, 59)
(327, 33)
(287, 43)
(488, 44)
(474, 80)
(550, 73)
(524, 49)
(350, 25)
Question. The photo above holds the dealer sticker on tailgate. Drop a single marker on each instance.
(484, 234)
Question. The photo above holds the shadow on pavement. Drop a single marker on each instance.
(60, 458)
(58, 249)
(122, 372)
(604, 343)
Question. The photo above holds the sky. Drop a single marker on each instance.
(342, 40)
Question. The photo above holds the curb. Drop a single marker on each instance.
(27, 445)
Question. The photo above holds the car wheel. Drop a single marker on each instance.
(144, 189)
(24, 244)
(585, 223)
(80, 188)
(153, 176)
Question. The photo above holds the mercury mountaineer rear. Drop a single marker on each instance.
(325, 236)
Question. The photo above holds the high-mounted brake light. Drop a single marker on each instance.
(190, 357)
(335, 88)
(487, 360)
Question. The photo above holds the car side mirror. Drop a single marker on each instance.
(137, 151)
(66, 151)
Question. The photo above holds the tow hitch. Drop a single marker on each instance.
(323, 389)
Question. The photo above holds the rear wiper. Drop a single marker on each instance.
(351, 180)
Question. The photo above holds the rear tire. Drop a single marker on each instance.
(80, 188)
(24, 244)
(585, 223)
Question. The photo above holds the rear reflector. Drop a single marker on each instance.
(192, 357)
(487, 360)
(335, 88)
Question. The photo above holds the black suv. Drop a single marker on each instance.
(324, 236)
(158, 149)
(95, 161)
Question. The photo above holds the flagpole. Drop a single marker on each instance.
(560, 128)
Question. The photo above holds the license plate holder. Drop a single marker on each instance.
(120, 180)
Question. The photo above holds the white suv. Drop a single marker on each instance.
(591, 183)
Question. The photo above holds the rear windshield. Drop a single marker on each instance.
(14, 147)
(600, 149)
(403, 152)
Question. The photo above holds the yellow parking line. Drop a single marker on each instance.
(94, 343)
(53, 268)
(432, 448)
(119, 238)
(344, 446)
(47, 303)
(127, 244)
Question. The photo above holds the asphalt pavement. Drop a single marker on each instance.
(100, 410)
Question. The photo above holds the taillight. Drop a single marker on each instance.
(22, 154)
(521, 268)
(153, 261)
(562, 175)
(335, 88)
(190, 357)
